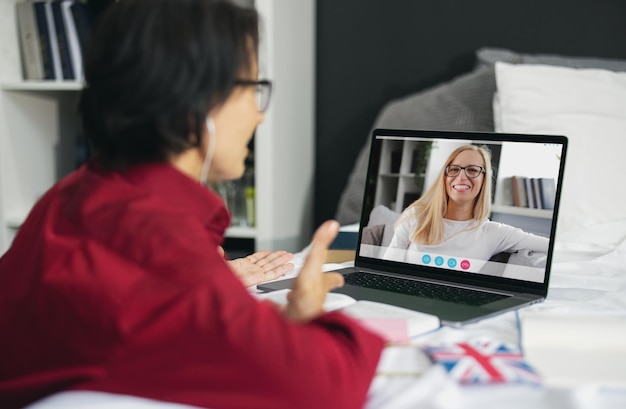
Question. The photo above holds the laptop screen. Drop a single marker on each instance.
(462, 203)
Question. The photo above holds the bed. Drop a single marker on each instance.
(584, 316)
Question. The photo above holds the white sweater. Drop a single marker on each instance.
(462, 240)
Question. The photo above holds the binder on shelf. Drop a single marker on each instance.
(67, 66)
(44, 40)
(548, 192)
(75, 51)
(53, 35)
(529, 193)
(30, 46)
(53, 42)
(82, 21)
(537, 193)
(519, 191)
(507, 198)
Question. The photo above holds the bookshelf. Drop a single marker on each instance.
(38, 129)
(527, 162)
(400, 177)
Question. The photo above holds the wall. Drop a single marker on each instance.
(369, 52)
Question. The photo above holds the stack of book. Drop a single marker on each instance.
(53, 36)
(534, 193)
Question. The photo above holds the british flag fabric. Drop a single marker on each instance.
(483, 361)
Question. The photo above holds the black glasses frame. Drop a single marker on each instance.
(263, 91)
(464, 169)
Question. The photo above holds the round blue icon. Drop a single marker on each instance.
(439, 260)
(451, 262)
(426, 259)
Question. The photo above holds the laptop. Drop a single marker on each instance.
(469, 276)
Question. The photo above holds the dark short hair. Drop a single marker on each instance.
(153, 71)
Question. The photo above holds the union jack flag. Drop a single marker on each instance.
(483, 361)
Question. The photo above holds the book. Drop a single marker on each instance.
(530, 196)
(548, 192)
(72, 39)
(83, 23)
(45, 46)
(394, 324)
(343, 247)
(53, 42)
(506, 193)
(576, 349)
(519, 191)
(537, 193)
(345, 240)
(403, 360)
(29, 41)
(63, 46)
(339, 256)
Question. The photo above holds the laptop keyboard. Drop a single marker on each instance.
(422, 289)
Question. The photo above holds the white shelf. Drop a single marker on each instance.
(42, 86)
(14, 223)
(16, 218)
(238, 232)
(522, 211)
(396, 187)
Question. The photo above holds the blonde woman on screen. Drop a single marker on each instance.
(451, 217)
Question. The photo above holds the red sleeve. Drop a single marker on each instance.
(126, 293)
(215, 345)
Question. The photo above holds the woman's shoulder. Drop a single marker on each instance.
(113, 208)
(490, 225)
(411, 213)
(409, 217)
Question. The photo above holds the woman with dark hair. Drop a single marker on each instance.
(117, 283)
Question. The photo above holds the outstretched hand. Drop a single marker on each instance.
(306, 299)
(261, 266)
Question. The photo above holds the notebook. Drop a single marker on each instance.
(475, 270)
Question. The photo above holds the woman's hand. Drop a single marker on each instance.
(261, 266)
(306, 299)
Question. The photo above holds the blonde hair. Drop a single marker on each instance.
(431, 207)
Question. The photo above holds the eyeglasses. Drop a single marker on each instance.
(263, 90)
(471, 171)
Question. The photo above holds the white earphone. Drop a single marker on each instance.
(210, 126)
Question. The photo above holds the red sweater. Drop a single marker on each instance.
(114, 284)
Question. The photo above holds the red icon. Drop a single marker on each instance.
(465, 264)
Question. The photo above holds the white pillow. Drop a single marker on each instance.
(589, 107)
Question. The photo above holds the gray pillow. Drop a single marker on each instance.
(372, 234)
(382, 215)
(463, 104)
(489, 56)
